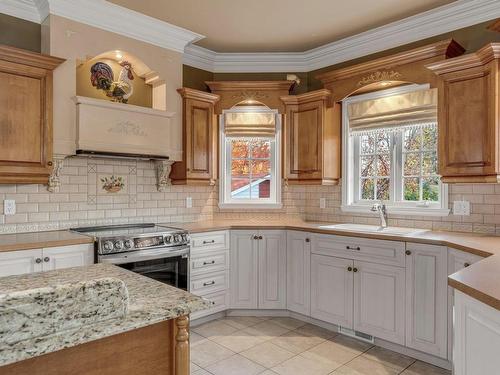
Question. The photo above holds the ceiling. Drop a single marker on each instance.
(277, 25)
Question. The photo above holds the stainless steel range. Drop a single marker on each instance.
(155, 251)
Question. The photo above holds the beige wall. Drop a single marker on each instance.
(19, 33)
(77, 42)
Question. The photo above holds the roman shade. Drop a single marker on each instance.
(249, 124)
(392, 113)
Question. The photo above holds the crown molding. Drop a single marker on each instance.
(107, 16)
(459, 14)
(188, 93)
(249, 85)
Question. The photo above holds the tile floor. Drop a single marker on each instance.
(285, 346)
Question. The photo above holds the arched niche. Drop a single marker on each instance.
(149, 89)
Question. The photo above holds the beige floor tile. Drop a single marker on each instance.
(313, 330)
(364, 366)
(331, 352)
(201, 372)
(207, 352)
(267, 354)
(240, 340)
(194, 337)
(348, 343)
(300, 365)
(214, 328)
(388, 357)
(235, 365)
(421, 368)
(268, 372)
(289, 323)
(270, 328)
(241, 322)
(297, 342)
(193, 367)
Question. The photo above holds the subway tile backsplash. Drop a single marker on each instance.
(109, 191)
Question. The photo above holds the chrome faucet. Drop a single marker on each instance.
(380, 208)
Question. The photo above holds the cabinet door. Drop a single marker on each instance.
(426, 303)
(55, 258)
(332, 290)
(298, 271)
(457, 260)
(379, 301)
(272, 269)
(243, 269)
(304, 141)
(199, 126)
(20, 262)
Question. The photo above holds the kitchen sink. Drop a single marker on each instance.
(398, 231)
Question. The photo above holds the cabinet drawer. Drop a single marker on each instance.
(219, 303)
(376, 251)
(211, 262)
(207, 284)
(209, 241)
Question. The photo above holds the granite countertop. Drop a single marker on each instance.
(480, 281)
(36, 240)
(150, 302)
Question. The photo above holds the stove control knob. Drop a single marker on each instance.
(184, 238)
(168, 239)
(176, 238)
(119, 245)
(107, 246)
(129, 244)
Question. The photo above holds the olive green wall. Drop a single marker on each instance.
(471, 38)
(19, 33)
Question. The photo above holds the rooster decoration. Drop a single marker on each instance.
(102, 78)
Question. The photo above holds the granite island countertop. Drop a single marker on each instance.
(480, 281)
(150, 302)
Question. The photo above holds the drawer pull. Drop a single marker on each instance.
(408, 252)
(46, 259)
(207, 242)
(349, 269)
(354, 269)
(209, 283)
(308, 240)
(207, 263)
(466, 264)
(38, 260)
(353, 248)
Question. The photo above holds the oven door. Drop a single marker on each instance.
(165, 265)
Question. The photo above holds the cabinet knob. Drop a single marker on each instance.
(349, 269)
(466, 264)
(354, 269)
(408, 252)
(46, 259)
(49, 163)
(260, 237)
(308, 240)
(38, 260)
(255, 237)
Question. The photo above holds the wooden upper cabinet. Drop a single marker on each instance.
(469, 116)
(25, 115)
(199, 137)
(311, 145)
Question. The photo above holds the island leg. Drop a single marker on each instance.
(182, 361)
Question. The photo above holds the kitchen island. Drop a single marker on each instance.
(147, 331)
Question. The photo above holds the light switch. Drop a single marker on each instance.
(322, 202)
(189, 202)
(461, 208)
(9, 207)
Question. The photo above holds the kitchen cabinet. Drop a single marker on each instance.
(332, 287)
(46, 259)
(258, 269)
(379, 301)
(468, 116)
(311, 146)
(199, 140)
(426, 303)
(25, 116)
(457, 260)
(298, 284)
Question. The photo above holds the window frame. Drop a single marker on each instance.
(225, 199)
(351, 160)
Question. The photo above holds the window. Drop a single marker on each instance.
(249, 159)
(391, 161)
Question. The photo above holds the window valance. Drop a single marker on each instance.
(249, 124)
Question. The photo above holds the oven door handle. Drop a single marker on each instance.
(142, 255)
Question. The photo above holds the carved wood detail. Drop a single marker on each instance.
(378, 76)
(182, 361)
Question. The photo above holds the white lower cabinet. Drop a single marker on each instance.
(426, 303)
(332, 286)
(258, 269)
(298, 279)
(379, 300)
(46, 259)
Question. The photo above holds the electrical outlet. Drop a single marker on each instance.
(9, 207)
(461, 208)
(322, 202)
(189, 202)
